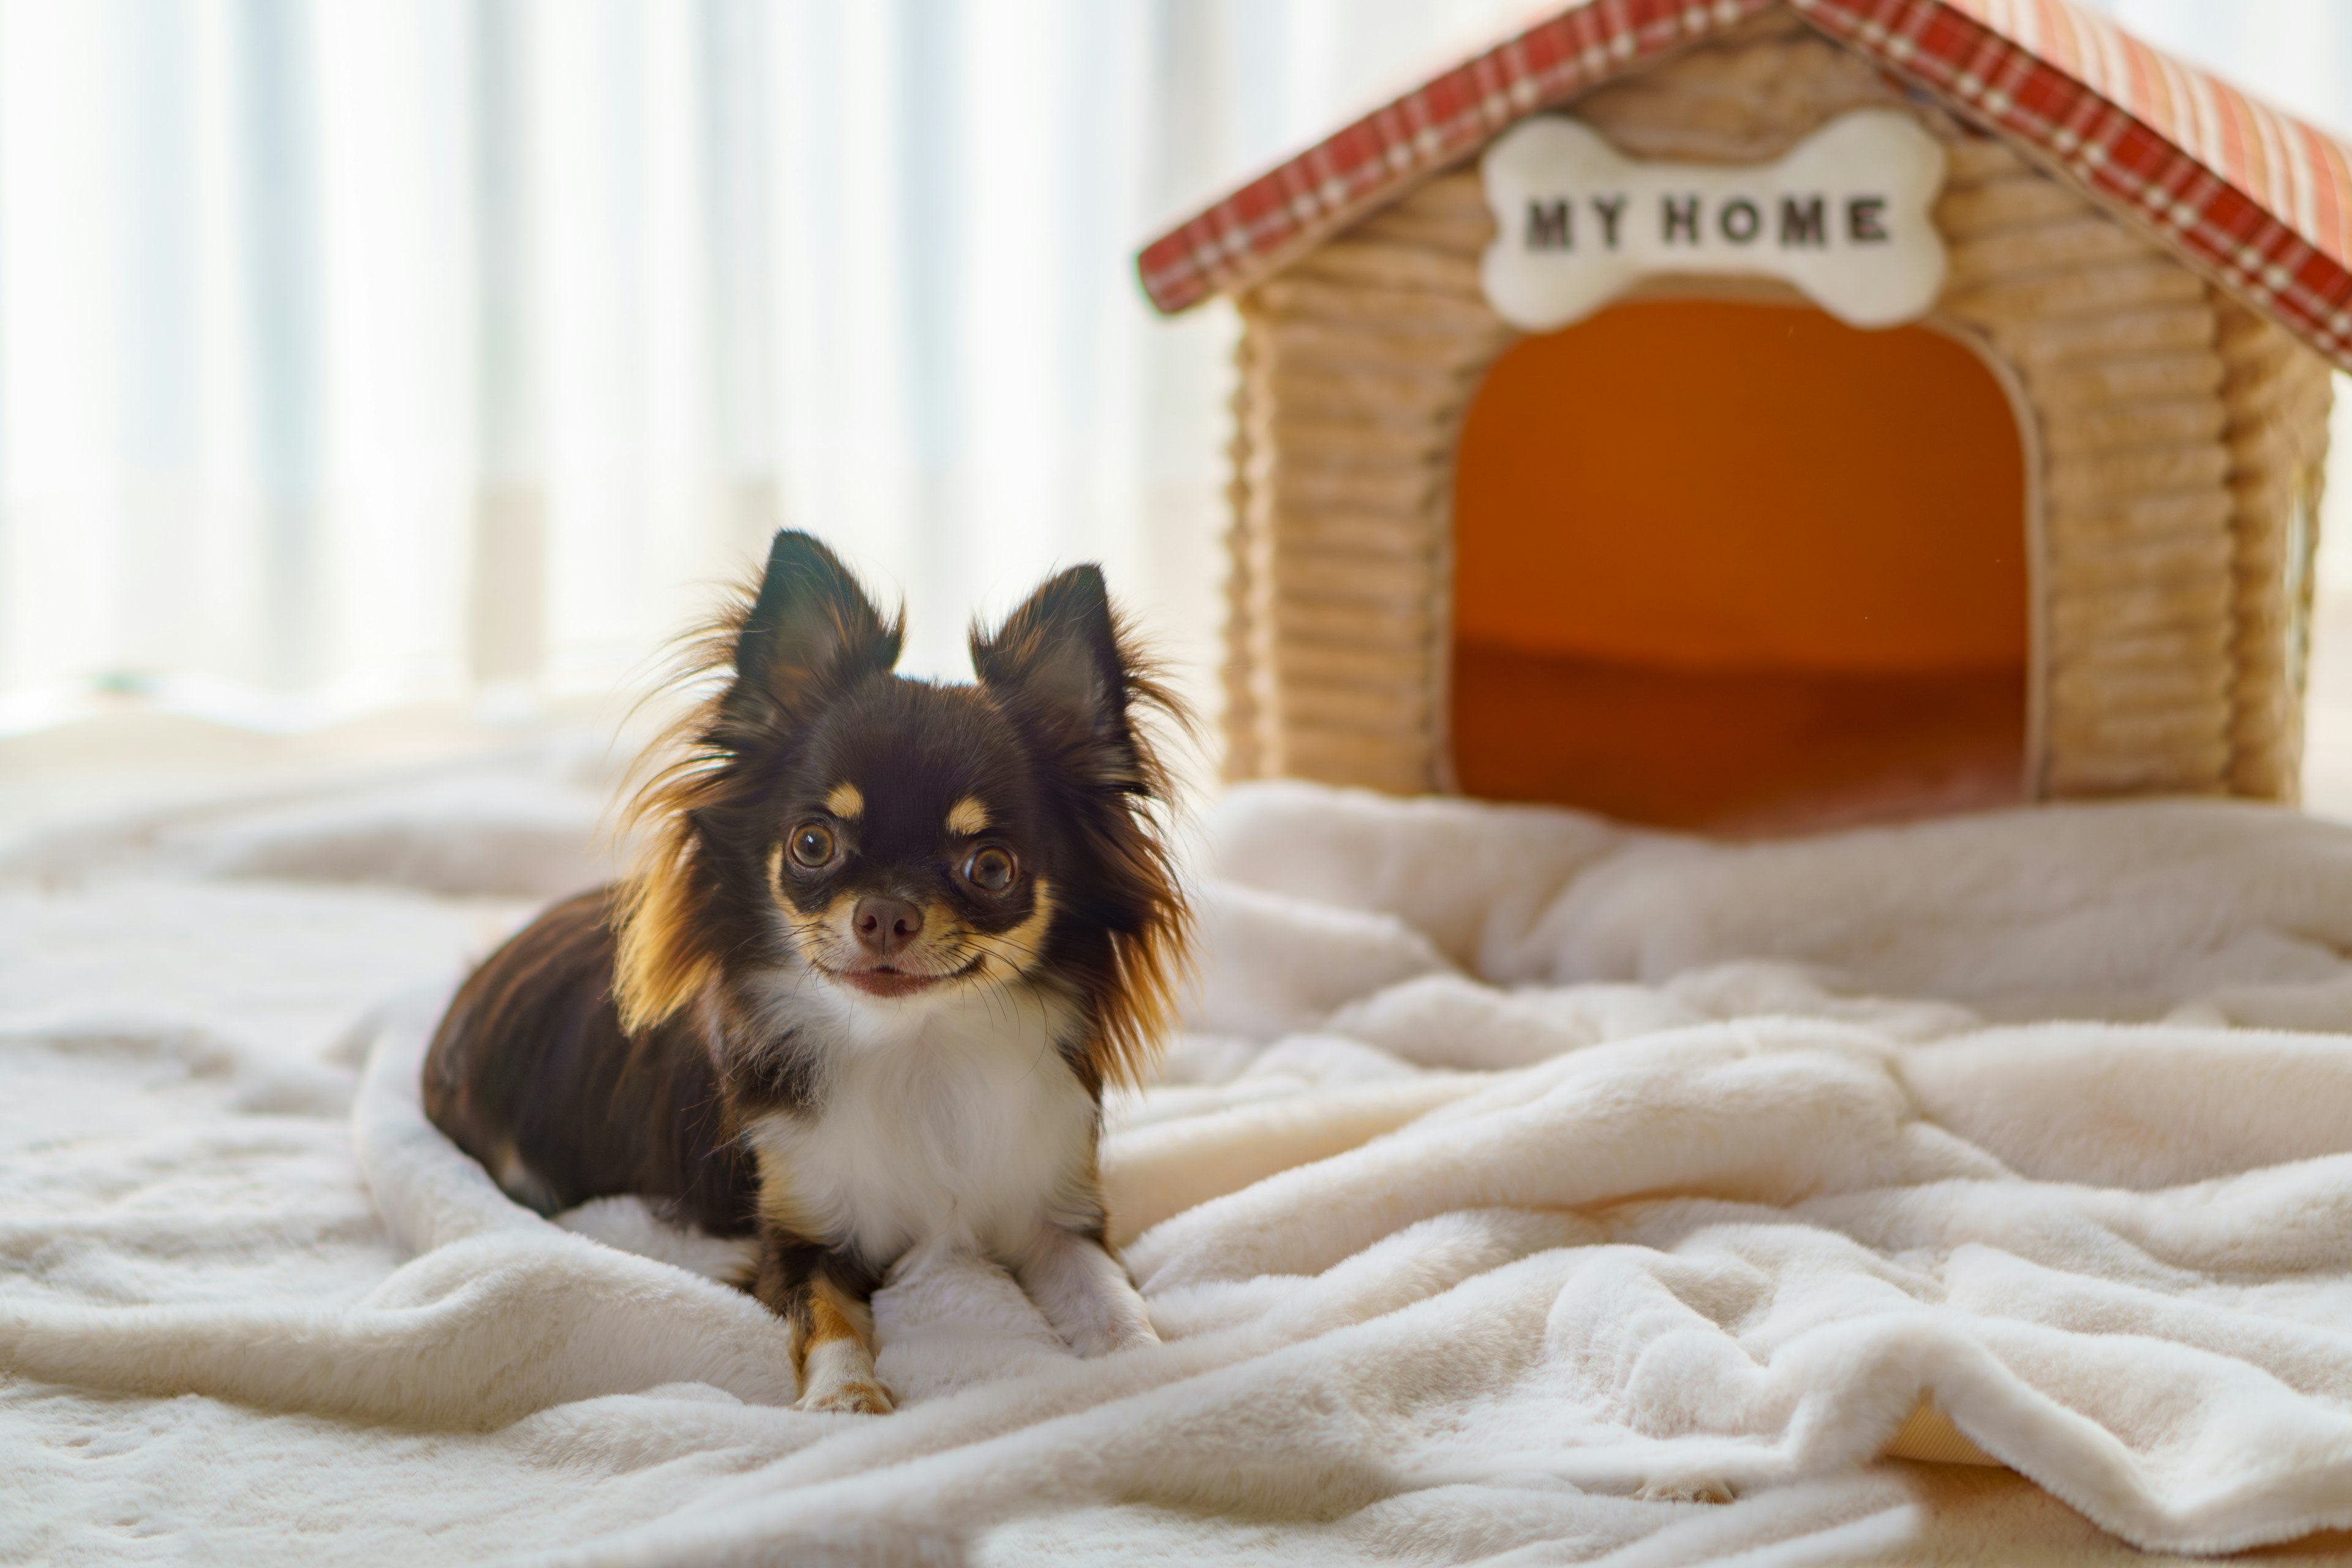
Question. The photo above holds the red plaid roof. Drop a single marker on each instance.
(2258, 202)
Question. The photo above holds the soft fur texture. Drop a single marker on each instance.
(1738, 1170)
(888, 943)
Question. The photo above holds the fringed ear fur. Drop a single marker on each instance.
(663, 962)
(1060, 664)
(810, 626)
(1068, 670)
(809, 629)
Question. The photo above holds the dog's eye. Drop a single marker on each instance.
(990, 870)
(812, 845)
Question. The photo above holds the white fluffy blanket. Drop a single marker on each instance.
(1522, 1182)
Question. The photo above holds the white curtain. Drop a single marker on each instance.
(360, 352)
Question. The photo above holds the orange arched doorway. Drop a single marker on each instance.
(1741, 566)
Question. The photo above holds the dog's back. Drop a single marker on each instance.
(530, 1074)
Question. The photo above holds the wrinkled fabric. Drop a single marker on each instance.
(1519, 1181)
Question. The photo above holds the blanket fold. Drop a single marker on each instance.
(1522, 1182)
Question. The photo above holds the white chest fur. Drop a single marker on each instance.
(955, 1119)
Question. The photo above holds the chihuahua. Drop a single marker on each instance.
(888, 943)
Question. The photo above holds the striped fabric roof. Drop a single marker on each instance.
(2260, 203)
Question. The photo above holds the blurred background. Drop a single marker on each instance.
(392, 375)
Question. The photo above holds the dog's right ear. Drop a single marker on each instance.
(811, 629)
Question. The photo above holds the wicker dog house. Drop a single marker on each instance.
(1709, 556)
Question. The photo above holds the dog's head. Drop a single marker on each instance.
(907, 841)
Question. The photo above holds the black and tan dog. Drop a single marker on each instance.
(891, 941)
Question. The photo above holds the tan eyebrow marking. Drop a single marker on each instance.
(968, 816)
(845, 801)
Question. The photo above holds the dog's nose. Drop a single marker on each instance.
(885, 926)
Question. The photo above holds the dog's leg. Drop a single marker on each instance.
(822, 1295)
(1084, 1292)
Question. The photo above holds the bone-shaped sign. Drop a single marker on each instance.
(1844, 217)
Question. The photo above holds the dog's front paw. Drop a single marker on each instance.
(1687, 1491)
(858, 1398)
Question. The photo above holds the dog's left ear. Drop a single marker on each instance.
(1057, 663)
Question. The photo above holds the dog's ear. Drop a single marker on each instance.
(1059, 666)
(812, 628)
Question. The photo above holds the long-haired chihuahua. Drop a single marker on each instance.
(888, 941)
